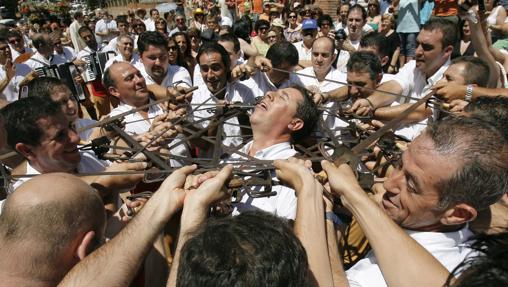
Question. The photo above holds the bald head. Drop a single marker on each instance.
(48, 215)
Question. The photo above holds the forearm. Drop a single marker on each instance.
(479, 43)
(339, 94)
(338, 274)
(192, 217)
(389, 113)
(401, 259)
(480, 91)
(380, 99)
(310, 229)
(158, 91)
(101, 33)
(123, 255)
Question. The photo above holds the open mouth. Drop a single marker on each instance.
(263, 106)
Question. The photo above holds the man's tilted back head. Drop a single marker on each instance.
(308, 112)
(475, 71)
(244, 250)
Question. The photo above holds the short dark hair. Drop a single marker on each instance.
(153, 38)
(214, 47)
(359, 8)
(153, 9)
(13, 33)
(488, 267)
(20, 120)
(483, 154)
(378, 41)
(122, 20)
(491, 109)
(325, 17)
(84, 29)
(282, 52)
(244, 250)
(365, 61)
(78, 14)
(43, 87)
(242, 28)
(260, 23)
(308, 112)
(476, 70)
(39, 40)
(447, 28)
(232, 39)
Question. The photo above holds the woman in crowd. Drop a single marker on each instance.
(260, 42)
(463, 47)
(293, 32)
(175, 57)
(387, 28)
(325, 24)
(195, 40)
(161, 26)
(373, 17)
(274, 35)
(183, 42)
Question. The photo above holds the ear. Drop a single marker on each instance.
(448, 50)
(113, 92)
(84, 245)
(25, 150)
(379, 78)
(295, 124)
(459, 214)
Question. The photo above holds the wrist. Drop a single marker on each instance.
(370, 104)
(469, 93)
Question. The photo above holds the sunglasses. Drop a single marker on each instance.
(179, 20)
(292, 16)
(263, 28)
(173, 48)
(325, 24)
(14, 41)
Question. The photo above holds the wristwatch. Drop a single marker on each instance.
(469, 93)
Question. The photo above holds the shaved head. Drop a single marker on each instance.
(42, 221)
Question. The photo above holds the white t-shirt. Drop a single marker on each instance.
(303, 53)
(119, 58)
(235, 92)
(38, 61)
(282, 204)
(11, 92)
(448, 248)
(68, 56)
(102, 26)
(174, 74)
(414, 84)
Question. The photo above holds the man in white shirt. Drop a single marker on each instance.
(214, 64)
(77, 42)
(356, 24)
(11, 75)
(436, 40)
(123, 29)
(282, 116)
(304, 47)
(150, 22)
(180, 24)
(281, 55)
(44, 55)
(17, 43)
(105, 28)
(155, 67)
(61, 54)
(125, 51)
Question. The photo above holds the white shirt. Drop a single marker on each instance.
(77, 42)
(174, 74)
(88, 163)
(103, 26)
(342, 61)
(149, 24)
(11, 92)
(135, 124)
(197, 79)
(415, 84)
(15, 54)
(235, 92)
(81, 123)
(282, 204)
(448, 248)
(38, 61)
(119, 58)
(259, 83)
(68, 56)
(304, 54)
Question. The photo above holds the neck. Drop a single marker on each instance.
(127, 58)
(262, 140)
(322, 75)
(466, 38)
(308, 43)
(439, 227)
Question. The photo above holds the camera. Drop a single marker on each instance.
(340, 35)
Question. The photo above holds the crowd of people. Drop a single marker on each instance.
(205, 95)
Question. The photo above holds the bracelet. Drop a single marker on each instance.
(469, 93)
(333, 217)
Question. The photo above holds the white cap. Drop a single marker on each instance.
(226, 21)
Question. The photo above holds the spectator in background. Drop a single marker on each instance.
(180, 24)
(408, 26)
(199, 20)
(356, 20)
(183, 42)
(212, 23)
(447, 9)
(105, 28)
(342, 12)
(150, 22)
(387, 29)
(463, 47)
(374, 17)
(304, 47)
(260, 42)
(195, 40)
(293, 32)
(325, 25)
(77, 42)
(161, 26)
(274, 35)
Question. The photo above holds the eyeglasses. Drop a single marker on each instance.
(325, 24)
(180, 20)
(372, 5)
(173, 48)
(292, 16)
(263, 28)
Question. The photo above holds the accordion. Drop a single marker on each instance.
(94, 65)
(65, 72)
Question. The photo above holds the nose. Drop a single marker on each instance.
(392, 184)
(353, 91)
(71, 104)
(73, 137)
